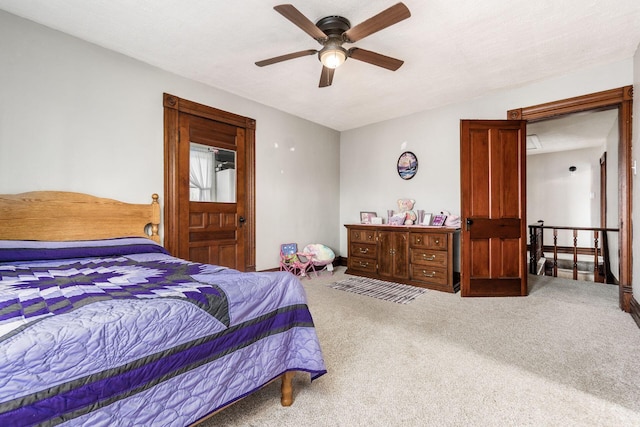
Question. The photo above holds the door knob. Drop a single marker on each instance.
(469, 222)
(241, 220)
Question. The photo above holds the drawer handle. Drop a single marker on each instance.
(437, 241)
(428, 258)
(364, 250)
(419, 240)
(364, 264)
(425, 274)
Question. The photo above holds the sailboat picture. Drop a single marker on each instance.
(407, 165)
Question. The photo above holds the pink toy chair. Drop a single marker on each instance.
(294, 262)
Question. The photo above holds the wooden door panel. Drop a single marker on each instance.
(494, 288)
(505, 228)
(479, 179)
(202, 219)
(509, 257)
(493, 208)
(385, 264)
(197, 220)
(227, 254)
(504, 259)
(213, 237)
(224, 252)
(199, 254)
(505, 170)
(478, 261)
(209, 132)
(401, 256)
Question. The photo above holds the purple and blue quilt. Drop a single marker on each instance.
(118, 332)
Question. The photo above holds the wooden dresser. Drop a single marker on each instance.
(415, 255)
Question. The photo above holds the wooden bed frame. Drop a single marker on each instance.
(64, 216)
(61, 216)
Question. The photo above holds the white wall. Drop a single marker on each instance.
(77, 117)
(368, 180)
(560, 198)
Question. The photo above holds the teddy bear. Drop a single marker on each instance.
(406, 206)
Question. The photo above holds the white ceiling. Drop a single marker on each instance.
(572, 132)
(453, 49)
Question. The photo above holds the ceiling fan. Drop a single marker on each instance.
(333, 31)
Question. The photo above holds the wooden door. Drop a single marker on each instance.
(493, 181)
(211, 227)
(393, 254)
(209, 186)
(603, 191)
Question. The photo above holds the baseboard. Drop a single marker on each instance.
(634, 310)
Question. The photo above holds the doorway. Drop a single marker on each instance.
(209, 184)
(622, 100)
(572, 181)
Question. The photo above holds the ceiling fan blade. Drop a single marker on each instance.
(375, 58)
(326, 78)
(285, 57)
(382, 20)
(295, 16)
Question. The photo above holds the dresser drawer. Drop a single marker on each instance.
(362, 235)
(428, 258)
(365, 265)
(428, 241)
(428, 274)
(363, 250)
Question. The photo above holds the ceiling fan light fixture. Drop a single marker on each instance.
(332, 56)
(332, 31)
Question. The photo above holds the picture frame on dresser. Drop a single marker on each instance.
(438, 220)
(426, 220)
(366, 217)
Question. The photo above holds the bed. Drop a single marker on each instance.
(99, 325)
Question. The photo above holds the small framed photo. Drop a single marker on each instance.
(438, 220)
(426, 220)
(366, 217)
(397, 219)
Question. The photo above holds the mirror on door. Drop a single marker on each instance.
(212, 174)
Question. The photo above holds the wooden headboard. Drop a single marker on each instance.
(60, 216)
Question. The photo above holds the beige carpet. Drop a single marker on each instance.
(563, 356)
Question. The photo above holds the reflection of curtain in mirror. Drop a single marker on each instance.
(201, 166)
